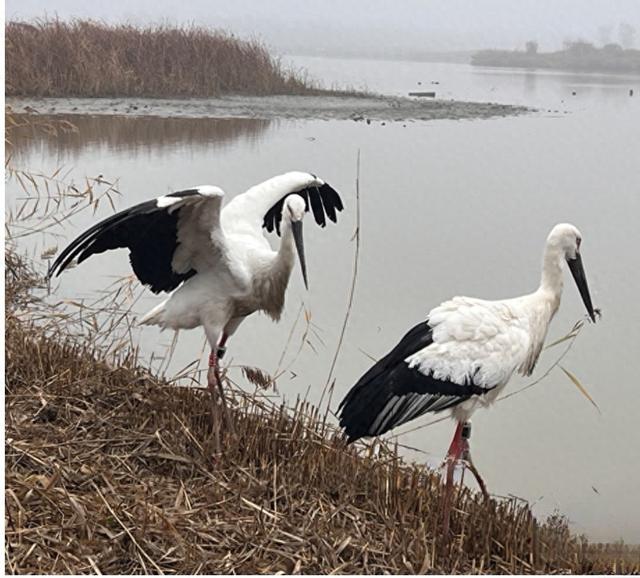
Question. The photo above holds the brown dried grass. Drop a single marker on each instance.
(87, 58)
(109, 469)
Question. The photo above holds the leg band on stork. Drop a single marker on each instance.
(459, 451)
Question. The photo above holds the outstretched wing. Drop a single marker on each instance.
(261, 205)
(394, 392)
(169, 238)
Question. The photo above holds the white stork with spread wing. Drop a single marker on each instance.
(216, 258)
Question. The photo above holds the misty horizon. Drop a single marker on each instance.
(409, 29)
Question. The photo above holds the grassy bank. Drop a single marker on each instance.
(91, 59)
(110, 469)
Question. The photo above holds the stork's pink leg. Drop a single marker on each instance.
(214, 382)
(466, 456)
(214, 390)
(453, 455)
(225, 407)
(455, 449)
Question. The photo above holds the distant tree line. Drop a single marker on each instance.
(575, 55)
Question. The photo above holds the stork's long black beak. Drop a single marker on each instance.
(296, 229)
(577, 270)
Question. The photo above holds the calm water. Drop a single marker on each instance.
(448, 208)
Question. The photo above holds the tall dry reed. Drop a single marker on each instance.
(85, 58)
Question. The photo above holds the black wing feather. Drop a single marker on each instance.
(391, 378)
(330, 210)
(323, 201)
(148, 231)
(316, 205)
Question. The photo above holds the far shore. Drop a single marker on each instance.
(361, 108)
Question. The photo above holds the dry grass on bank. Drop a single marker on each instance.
(109, 469)
(91, 59)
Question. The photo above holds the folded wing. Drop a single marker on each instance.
(392, 392)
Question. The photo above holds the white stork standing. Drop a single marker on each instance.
(464, 354)
(218, 259)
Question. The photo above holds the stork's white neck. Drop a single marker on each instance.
(287, 244)
(285, 258)
(551, 279)
(270, 282)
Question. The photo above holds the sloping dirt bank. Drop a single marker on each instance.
(110, 469)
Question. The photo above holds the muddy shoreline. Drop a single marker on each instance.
(362, 108)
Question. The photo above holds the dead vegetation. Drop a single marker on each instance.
(82, 58)
(110, 470)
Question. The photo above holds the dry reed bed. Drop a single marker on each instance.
(90, 59)
(109, 469)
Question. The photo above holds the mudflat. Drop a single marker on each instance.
(357, 108)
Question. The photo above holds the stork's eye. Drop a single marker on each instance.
(578, 241)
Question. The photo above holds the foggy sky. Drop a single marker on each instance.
(368, 26)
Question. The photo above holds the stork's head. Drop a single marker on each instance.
(294, 209)
(566, 239)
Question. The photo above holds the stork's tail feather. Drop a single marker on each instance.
(355, 416)
(360, 407)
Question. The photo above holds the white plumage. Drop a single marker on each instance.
(216, 258)
(465, 352)
(485, 342)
